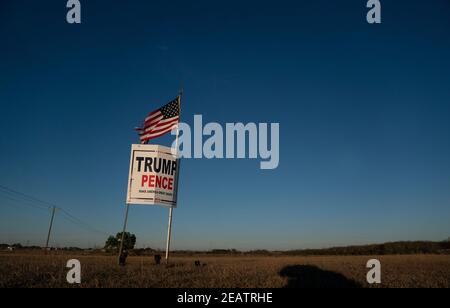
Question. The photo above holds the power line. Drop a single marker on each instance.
(27, 196)
(80, 223)
(11, 205)
(24, 202)
(31, 202)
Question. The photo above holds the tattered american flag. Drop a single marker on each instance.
(160, 122)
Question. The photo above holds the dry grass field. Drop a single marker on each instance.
(48, 271)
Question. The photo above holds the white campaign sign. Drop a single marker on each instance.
(153, 176)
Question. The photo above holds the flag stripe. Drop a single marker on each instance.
(153, 121)
(165, 125)
(160, 129)
(152, 118)
(159, 124)
(152, 136)
(152, 115)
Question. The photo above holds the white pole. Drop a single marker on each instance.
(168, 235)
(169, 229)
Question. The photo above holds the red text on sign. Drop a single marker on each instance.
(156, 181)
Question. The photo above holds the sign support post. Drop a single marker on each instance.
(123, 232)
(168, 235)
(169, 229)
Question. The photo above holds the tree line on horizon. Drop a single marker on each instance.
(413, 247)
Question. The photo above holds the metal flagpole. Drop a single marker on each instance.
(50, 227)
(169, 229)
(123, 232)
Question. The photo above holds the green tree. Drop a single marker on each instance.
(113, 243)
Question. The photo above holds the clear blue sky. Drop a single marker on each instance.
(363, 110)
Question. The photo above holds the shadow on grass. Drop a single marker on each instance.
(306, 276)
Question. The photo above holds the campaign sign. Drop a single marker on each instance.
(153, 176)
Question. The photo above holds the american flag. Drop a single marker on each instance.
(160, 122)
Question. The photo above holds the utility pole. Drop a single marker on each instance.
(50, 227)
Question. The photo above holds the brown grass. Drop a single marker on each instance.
(37, 270)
